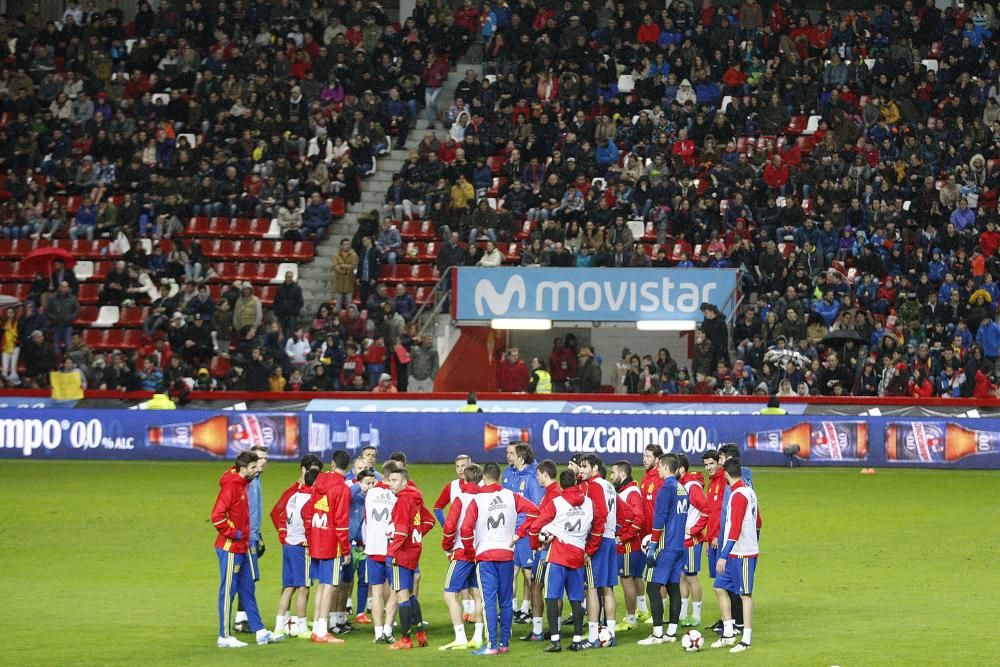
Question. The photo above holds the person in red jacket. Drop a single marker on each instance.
(649, 32)
(287, 519)
(354, 365)
(569, 525)
(694, 484)
(776, 174)
(512, 372)
(411, 520)
(709, 523)
(562, 365)
(231, 518)
(684, 149)
(327, 520)
(649, 486)
(461, 575)
(631, 559)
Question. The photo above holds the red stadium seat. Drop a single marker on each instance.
(796, 124)
(417, 230)
(267, 293)
(96, 339)
(86, 316)
(413, 251)
(131, 318)
(338, 207)
(527, 229)
(89, 293)
(303, 251)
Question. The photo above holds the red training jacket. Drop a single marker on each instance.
(411, 520)
(714, 494)
(231, 513)
(631, 505)
(650, 486)
(327, 517)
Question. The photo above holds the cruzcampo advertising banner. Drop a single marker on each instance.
(608, 295)
(439, 438)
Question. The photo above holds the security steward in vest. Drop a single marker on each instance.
(540, 381)
(470, 404)
(774, 407)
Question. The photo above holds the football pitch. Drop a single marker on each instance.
(113, 564)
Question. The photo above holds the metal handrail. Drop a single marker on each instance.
(434, 304)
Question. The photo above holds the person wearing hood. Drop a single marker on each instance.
(231, 518)
(403, 554)
(685, 93)
(573, 532)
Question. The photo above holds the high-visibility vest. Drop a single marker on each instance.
(774, 411)
(544, 385)
(160, 402)
(469, 407)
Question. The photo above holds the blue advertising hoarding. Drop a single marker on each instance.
(605, 295)
(439, 438)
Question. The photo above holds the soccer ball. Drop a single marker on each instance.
(692, 641)
(544, 537)
(603, 636)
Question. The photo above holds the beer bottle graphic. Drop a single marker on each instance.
(937, 442)
(818, 441)
(501, 436)
(228, 435)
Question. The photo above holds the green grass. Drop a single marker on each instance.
(112, 563)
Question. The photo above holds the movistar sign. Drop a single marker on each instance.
(611, 295)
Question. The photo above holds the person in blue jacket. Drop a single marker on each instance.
(520, 478)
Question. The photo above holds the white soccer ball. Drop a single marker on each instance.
(544, 537)
(603, 636)
(692, 641)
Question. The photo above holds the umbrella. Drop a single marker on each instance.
(842, 336)
(7, 301)
(43, 257)
(782, 357)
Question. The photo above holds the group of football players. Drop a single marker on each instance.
(575, 535)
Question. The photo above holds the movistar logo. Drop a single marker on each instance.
(498, 303)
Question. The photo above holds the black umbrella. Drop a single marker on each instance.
(842, 336)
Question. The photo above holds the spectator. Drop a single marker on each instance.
(11, 346)
(288, 304)
(404, 303)
(588, 380)
(512, 372)
(61, 310)
(369, 268)
(248, 312)
(345, 266)
(423, 365)
(385, 385)
(389, 242)
(39, 357)
(315, 218)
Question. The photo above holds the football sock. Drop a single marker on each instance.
(552, 611)
(525, 606)
(387, 630)
(674, 591)
(536, 624)
(736, 603)
(577, 619)
(592, 632)
(727, 628)
(405, 618)
(640, 604)
(241, 616)
(696, 612)
(279, 623)
(657, 630)
(319, 627)
(655, 602)
(477, 633)
(746, 635)
(577, 639)
(684, 608)
(672, 629)
(612, 623)
(417, 617)
(630, 619)
(460, 634)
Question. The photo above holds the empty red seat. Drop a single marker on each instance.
(796, 124)
(130, 318)
(527, 229)
(423, 274)
(417, 230)
(338, 207)
(200, 226)
(101, 270)
(423, 294)
(513, 254)
(96, 339)
(89, 293)
(86, 316)
(303, 251)
(267, 293)
(240, 227)
(259, 226)
(131, 338)
(649, 233)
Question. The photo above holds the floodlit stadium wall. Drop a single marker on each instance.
(61, 433)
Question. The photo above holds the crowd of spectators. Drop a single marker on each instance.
(242, 108)
(842, 160)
